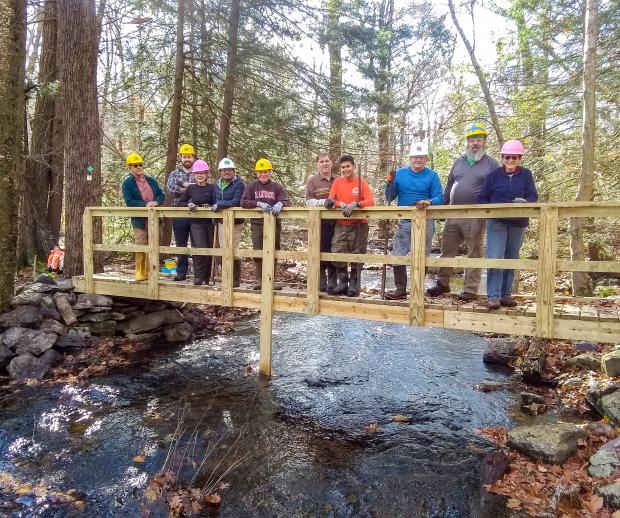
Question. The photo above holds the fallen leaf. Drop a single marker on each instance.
(213, 499)
(400, 419)
(151, 493)
(513, 503)
(542, 469)
(595, 503)
(139, 458)
(371, 428)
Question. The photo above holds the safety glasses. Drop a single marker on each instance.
(511, 157)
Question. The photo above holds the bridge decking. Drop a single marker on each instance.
(544, 315)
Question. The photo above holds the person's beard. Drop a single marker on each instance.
(475, 155)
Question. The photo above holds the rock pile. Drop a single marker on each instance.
(48, 320)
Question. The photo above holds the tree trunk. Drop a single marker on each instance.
(229, 81)
(175, 115)
(481, 77)
(12, 57)
(336, 110)
(42, 174)
(383, 86)
(582, 284)
(78, 46)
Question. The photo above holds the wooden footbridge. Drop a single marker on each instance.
(544, 315)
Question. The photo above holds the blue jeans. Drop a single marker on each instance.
(503, 242)
(181, 230)
(402, 238)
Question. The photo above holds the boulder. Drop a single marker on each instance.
(27, 297)
(103, 328)
(26, 366)
(156, 305)
(572, 382)
(178, 333)
(587, 347)
(501, 351)
(94, 317)
(95, 309)
(127, 310)
(554, 443)
(22, 316)
(63, 305)
(11, 336)
(606, 461)
(43, 278)
(75, 341)
(145, 338)
(53, 326)
(585, 361)
(151, 321)
(65, 285)
(606, 401)
(611, 363)
(90, 300)
(48, 308)
(611, 494)
(527, 398)
(6, 355)
(35, 342)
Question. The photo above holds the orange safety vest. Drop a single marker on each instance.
(56, 259)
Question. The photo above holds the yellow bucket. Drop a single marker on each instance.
(170, 264)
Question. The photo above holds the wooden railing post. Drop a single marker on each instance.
(314, 263)
(547, 255)
(88, 257)
(228, 260)
(267, 285)
(153, 254)
(418, 258)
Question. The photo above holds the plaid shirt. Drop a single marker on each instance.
(175, 189)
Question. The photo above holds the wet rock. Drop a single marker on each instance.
(104, 328)
(587, 347)
(90, 300)
(500, 351)
(26, 501)
(527, 398)
(151, 321)
(22, 316)
(605, 401)
(48, 308)
(27, 297)
(611, 363)
(26, 366)
(611, 494)
(601, 428)
(554, 443)
(35, 342)
(6, 355)
(53, 326)
(43, 278)
(63, 305)
(606, 461)
(585, 361)
(178, 333)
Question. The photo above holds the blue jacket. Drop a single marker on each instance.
(131, 195)
(500, 187)
(230, 196)
(410, 187)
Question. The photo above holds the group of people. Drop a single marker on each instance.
(475, 177)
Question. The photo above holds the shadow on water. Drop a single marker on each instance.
(301, 434)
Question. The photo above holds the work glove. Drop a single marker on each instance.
(262, 205)
(329, 203)
(519, 200)
(348, 209)
(192, 207)
(390, 176)
(422, 204)
(214, 207)
(275, 210)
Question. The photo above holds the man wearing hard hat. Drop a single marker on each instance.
(464, 183)
(417, 185)
(178, 181)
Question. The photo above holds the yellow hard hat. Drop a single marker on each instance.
(134, 159)
(475, 129)
(263, 165)
(186, 149)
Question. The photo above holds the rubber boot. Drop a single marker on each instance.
(353, 289)
(322, 280)
(400, 279)
(258, 269)
(343, 281)
(141, 266)
(237, 274)
(332, 279)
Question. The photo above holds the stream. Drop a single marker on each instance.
(296, 445)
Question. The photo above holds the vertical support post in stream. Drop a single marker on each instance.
(228, 243)
(545, 289)
(153, 254)
(267, 285)
(418, 260)
(87, 251)
(314, 262)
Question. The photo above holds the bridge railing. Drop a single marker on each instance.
(546, 265)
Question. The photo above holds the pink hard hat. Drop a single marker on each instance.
(512, 147)
(200, 166)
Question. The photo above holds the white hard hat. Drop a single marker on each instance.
(419, 149)
(226, 163)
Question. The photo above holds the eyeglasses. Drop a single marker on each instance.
(137, 165)
(511, 157)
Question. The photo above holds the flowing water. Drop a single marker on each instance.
(298, 443)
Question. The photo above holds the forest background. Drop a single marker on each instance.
(85, 83)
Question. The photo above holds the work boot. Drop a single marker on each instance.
(258, 270)
(236, 274)
(332, 279)
(467, 297)
(400, 279)
(353, 289)
(493, 304)
(198, 281)
(322, 280)
(343, 281)
(438, 289)
(508, 301)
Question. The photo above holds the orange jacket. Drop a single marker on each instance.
(346, 190)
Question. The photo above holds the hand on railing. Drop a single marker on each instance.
(519, 200)
(264, 206)
(422, 204)
(275, 210)
(192, 207)
(150, 204)
(347, 210)
(329, 203)
(214, 207)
